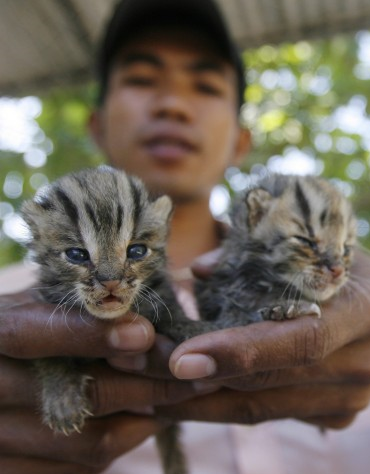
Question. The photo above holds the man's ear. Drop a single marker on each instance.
(242, 147)
(95, 127)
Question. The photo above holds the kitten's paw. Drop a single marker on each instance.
(67, 412)
(290, 310)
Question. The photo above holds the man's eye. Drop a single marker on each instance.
(77, 256)
(209, 89)
(140, 81)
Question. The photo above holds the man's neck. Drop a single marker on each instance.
(193, 232)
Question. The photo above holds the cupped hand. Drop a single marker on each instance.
(29, 329)
(309, 368)
(122, 403)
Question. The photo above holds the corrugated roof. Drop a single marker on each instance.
(49, 42)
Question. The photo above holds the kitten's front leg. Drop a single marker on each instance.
(64, 402)
(168, 317)
(177, 326)
(290, 309)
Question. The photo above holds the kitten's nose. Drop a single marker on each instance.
(110, 285)
(336, 270)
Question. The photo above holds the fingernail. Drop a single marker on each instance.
(129, 337)
(194, 366)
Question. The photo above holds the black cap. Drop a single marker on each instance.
(131, 15)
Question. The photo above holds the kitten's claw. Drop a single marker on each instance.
(311, 309)
(66, 411)
(65, 427)
(290, 310)
(303, 309)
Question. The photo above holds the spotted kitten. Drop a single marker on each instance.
(289, 249)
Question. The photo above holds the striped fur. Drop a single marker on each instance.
(103, 211)
(288, 236)
(291, 241)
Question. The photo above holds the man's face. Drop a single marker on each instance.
(169, 115)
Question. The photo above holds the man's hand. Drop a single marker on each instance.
(121, 402)
(311, 369)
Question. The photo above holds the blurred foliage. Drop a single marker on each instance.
(310, 99)
(65, 139)
(303, 99)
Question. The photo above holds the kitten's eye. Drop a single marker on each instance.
(305, 241)
(347, 250)
(77, 256)
(137, 251)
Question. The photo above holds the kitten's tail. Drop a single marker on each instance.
(169, 447)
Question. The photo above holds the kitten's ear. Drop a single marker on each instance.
(33, 214)
(162, 209)
(258, 203)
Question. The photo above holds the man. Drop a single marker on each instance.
(170, 93)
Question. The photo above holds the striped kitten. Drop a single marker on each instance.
(99, 240)
(289, 249)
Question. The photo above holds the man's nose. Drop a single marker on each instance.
(172, 103)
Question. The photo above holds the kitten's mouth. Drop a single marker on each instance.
(110, 302)
(323, 290)
(109, 299)
(109, 307)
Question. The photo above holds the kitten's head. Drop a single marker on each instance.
(98, 237)
(308, 232)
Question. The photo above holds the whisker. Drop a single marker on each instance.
(290, 285)
(300, 297)
(47, 287)
(156, 296)
(60, 306)
(76, 300)
(348, 291)
(136, 303)
(360, 280)
(147, 296)
(357, 288)
(297, 291)
(87, 323)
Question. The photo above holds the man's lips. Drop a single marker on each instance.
(169, 151)
(169, 146)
